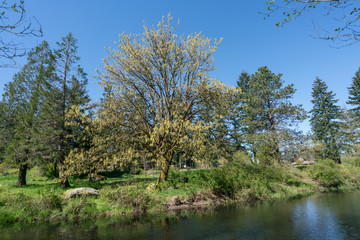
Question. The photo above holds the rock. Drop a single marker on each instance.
(308, 162)
(84, 191)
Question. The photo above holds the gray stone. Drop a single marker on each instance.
(84, 191)
(308, 162)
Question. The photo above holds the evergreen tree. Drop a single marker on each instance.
(354, 96)
(223, 137)
(66, 90)
(7, 123)
(349, 131)
(20, 105)
(267, 113)
(324, 120)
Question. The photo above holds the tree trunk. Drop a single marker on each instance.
(165, 165)
(22, 175)
(338, 160)
(54, 170)
(164, 172)
(64, 182)
(62, 175)
(144, 159)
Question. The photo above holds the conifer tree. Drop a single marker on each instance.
(223, 137)
(67, 89)
(324, 119)
(21, 104)
(267, 113)
(349, 131)
(354, 96)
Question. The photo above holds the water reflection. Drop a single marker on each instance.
(334, 216)
(312, 220)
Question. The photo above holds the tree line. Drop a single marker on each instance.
(160, 108)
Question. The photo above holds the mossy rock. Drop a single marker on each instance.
(83, 192)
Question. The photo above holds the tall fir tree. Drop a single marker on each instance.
(324, 119)
(223, 137)
(349, 131)
(267, 113)
(21, 104)
(67, 89)
(354, 96)
(354, 101)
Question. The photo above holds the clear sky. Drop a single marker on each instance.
(249, 41)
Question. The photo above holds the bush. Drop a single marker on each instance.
(351, 160)
(227, 180)
(327, 172)
(177, 179)
(134, 196)
(258, 181)
(51, 201)
(46, 170)
(79, 209)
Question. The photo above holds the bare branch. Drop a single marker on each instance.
(348, 30)
(15, 23)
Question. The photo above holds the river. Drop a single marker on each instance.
(330, 216)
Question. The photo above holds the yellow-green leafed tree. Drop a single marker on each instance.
(155, 82)
(104, 142)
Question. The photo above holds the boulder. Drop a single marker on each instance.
(310, 162)
(83, 192)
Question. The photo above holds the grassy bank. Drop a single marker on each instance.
(123, 194)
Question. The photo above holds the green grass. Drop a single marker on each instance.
(124, 194)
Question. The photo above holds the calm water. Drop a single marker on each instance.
(333, 216)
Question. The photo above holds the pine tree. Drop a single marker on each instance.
(324, 120)
(267, 113)
(21, 103)
(67, 89)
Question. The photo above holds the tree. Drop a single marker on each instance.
(14, 23)
(23, 98)
(157, 81)
(65, 90)
(267, 112)
(223, 135)
(349, 131)
(324, 119)
(347, 12)
(354, 96)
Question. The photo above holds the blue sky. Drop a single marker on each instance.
(249, 41)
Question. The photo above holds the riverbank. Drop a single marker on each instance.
(124, 194)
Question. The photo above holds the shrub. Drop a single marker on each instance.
(327, 173)
(177, 179)
(79, 208)
(46, 170)
(134, 196)
(230, 178)
(51, 201)
(351, 160)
